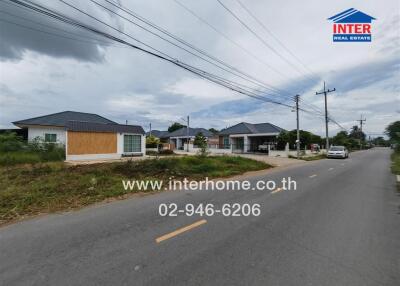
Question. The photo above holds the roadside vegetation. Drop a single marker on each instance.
(353, 140)
(13, 150)
(31, 189)
(396, 162)
(313, 158)
(393, 132)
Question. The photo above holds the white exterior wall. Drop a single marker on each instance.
(120, 143)
(88, 157)
(40, 131)
(179, 141)
(211, 150)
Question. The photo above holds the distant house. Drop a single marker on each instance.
(87, 136)
(158, 134)
(183, 135)
(247, 137)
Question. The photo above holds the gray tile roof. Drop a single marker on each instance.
(192, 132)
(249, 128)
(61, 118)
(158, 133)
(101, 127)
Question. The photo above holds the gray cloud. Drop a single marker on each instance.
(22, 30)
(42, 73)
(367, 74)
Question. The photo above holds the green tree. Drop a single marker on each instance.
(175, 126)
(341, 138)
(380, 141)
(10, 141)
(306, 139)
(282, 139)
(152, 141)
(356, 133)
(393, 131)
(200, 140)
(213, 130)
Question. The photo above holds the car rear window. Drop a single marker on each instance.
(336, 148)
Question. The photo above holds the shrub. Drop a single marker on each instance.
(152, 153)
(15, 151)
(203, 152)
(152, 142)
(152, 145)
(10, 142)
(166, 152)
(200, 140)
(21, 157)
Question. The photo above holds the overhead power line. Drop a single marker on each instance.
(212, 27)
(232, 85)
(79, 38)
(144, 20)
(225, 36)
(275, 37)
(206, 75)
(203, 54)
(260, 38)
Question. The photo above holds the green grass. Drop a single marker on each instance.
(309, 158)
(31, 157)
(396, 165)
(396, 162)
(31, 189)
(314, 158)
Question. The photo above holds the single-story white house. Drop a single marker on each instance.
(184, 135)
(247, 137)
(87, 136)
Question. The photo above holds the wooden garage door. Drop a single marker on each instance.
(91, 143)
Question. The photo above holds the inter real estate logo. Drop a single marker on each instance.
(352, 26)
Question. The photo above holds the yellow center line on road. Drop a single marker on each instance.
(277, 190)
(312, 176)
(180, 230)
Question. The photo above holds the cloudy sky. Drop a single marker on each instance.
(47, 66)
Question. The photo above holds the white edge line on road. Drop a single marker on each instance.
(398, 178)
(312, 176)
(330, 169)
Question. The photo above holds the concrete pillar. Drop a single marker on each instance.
(246, 144)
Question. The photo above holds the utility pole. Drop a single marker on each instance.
(150, 128)
(325, 92)
(298, 131)
(187, 134)
(361, 120)
(187, 131)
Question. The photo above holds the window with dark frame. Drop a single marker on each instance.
(50, 138)
(132, 143)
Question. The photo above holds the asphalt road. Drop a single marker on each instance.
(340, 227)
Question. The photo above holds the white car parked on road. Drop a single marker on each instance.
(337, 152)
